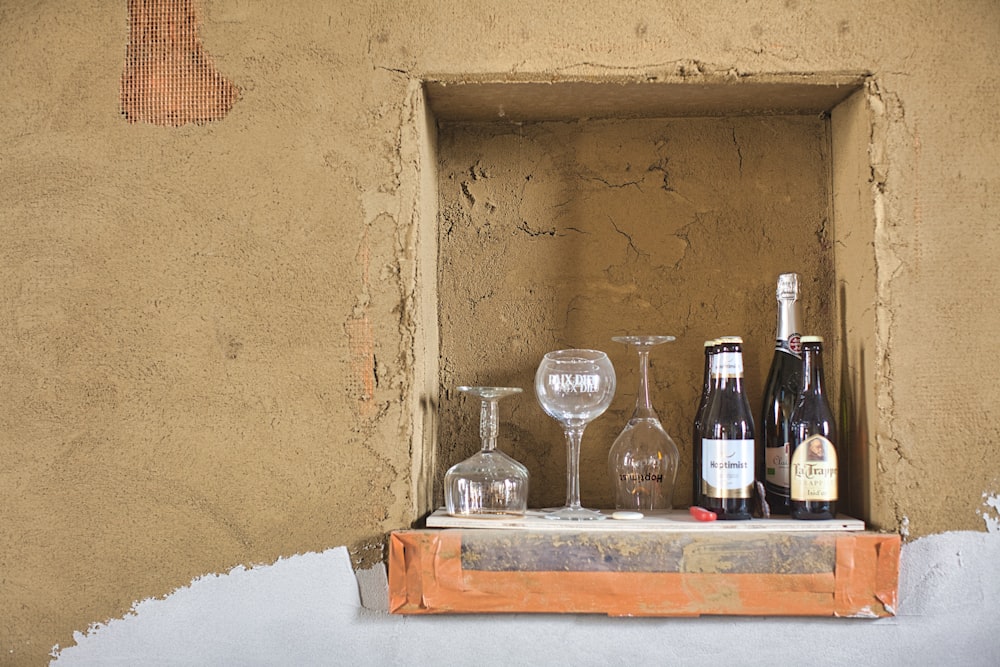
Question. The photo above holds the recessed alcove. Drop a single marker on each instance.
(572, 211)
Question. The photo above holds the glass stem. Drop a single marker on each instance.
(573, 438)
(643, 406)
(488, 424)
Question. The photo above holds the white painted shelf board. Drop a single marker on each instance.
(670, 521)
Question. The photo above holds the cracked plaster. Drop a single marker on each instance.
(560, 234)
(180, 393)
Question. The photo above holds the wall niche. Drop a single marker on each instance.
(570, 212)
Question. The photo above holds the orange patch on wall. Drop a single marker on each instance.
(361, 342)
(649, 574)
(168, 78)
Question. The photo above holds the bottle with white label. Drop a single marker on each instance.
(813, 463)
(780, 394)
(728, 454)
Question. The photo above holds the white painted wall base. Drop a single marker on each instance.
(313, 610)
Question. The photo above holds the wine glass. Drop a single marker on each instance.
(489, 483)
(643, 460)
(574, 387)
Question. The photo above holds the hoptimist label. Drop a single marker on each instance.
(641, 477)
(727, 468)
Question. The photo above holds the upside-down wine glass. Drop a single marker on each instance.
(574, 387)
(643, 460)
(488, 483)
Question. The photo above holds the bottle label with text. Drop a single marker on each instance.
(814, 470)
(727, 468)
(792, 345)
(728, 364)
(776, 466)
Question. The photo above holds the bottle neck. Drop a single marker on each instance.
(727, 368)
(788, 325)
(812, 370)
(707, 377)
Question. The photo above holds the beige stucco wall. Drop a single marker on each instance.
(214, 343)
(564, 234)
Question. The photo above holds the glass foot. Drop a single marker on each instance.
(575, 514)
(643, 341)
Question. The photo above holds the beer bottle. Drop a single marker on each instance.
(780, 395)
(813, 462)
(699, 418)
(727, 438)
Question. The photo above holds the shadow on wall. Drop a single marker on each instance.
(313, 609)
(855, 486)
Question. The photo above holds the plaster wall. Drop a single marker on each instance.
(564, 234)
(215, 338)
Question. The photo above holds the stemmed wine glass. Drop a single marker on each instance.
(489, 483)
(574, 387)
(643, 460)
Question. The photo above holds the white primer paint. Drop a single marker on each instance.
(313, 609)
(992, 519)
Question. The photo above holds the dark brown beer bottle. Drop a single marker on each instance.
(780, 395)
(728, 453)
(813, 462)
(699, 418)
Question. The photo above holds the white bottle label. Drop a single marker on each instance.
(729, 364)
(727, 469)
(776, 466)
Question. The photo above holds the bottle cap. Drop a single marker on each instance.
(811, 339)
(729, 340)
(788, 286)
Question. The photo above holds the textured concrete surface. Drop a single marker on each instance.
(218, 341)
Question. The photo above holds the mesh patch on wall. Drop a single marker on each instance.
(168, 77)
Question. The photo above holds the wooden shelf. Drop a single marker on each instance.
(668, 521)
(669, 566)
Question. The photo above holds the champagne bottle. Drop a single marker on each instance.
(727, 438)
(813, 468)
(780, 395)
(699, 418)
